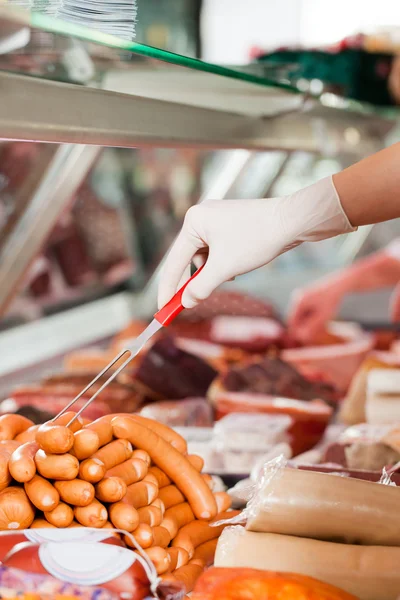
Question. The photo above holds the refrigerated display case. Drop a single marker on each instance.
(114, 140)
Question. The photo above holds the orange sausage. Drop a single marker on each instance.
(54, 439)
(206, 552)
(42, 493)
(114, 453)
(140, 494)
(92, 515)
(166, 433)
(160, 559)
(151, 515)
(161, 536)
(92, 470)
(86, 443)
(76, 492)
(161, 477)
(12, 425)
(22, 464)
(10, 445)
(143, 535)
(152, 479)
(176, 466)
(5, 477)
(123, 516)
(61, 516)
(189, 574)
(173, 558)
(16, 511)
(198, 532)
(223, 500)
(41, 524)
(74, 525)
(158, 503)
(177, 517)
(110, 489)
(209, 481)
(62, 467)
(103, 429)
(171, 496)
(130, 471)
(29, 435)
(66, 418)
(142, 455)
(196, 461)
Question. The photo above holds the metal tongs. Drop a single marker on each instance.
(162, 318)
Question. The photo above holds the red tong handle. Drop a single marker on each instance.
(174, 307)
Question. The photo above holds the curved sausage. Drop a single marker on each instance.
(171, 496)
(151, 515)
(166, 433)
(160, 559)
(103, 429)
(176, 466)
(76, 492)
(142, 455)
(189, 574)
(16, 511)
(161, 477)
(140, 494)
(12, 425)
(86, 443)
(62, 467)
(114, 453)
(92, 515)
(41, 524)
(42, 493)
(196, 461)
(206, 552)
(61, 516)
(22, 464)
(161, 536)
(110, 489)
(66, 418)
(29, 435)
(131, 470)
(224, 501)
(199, 532)
(92, 470)
(5, 477)
(123, 516)
(54, 439)
(177, 517)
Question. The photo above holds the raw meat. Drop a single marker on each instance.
(222, 302)
(192, 412)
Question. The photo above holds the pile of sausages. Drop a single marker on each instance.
(121, 471)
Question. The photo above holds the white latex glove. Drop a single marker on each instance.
(237, 236)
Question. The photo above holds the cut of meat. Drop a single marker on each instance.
(310, 419)
(222, 302)
(168, 372)
(191, 412)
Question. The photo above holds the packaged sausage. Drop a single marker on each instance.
(83, 557)
(367, 572)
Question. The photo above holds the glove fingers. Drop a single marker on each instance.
(203, 285)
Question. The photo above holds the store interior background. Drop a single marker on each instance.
(139, 197)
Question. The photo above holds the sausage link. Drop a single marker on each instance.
(176, 466)
(152, 479)
(142, 455)
(161, 477)
(42, 493)
(206, 552)
(10, 445)
(86, 443)
(123, 516)
(177, 517)
(189, 574)
(12, 425)
(92, 470)
(114, 453)
(92, 515)
(196, 461)
(22, 462)
(158, 503)
(5, 477)
(160, 559)
(151, 515)
(111, 489)
(143, 535)
(161, 536)
(61, 516)
(76, 492)
(41, 524)
(29, 435)
(66, 418)
(62, 467)
(140, 494)
(54, 439)
(131, 470)
(171, 496)
(103, 429)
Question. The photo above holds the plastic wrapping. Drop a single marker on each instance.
(191, 412)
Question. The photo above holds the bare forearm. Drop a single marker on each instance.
(372, 273)
(370, 190)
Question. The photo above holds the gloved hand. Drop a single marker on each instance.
(237, 236)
